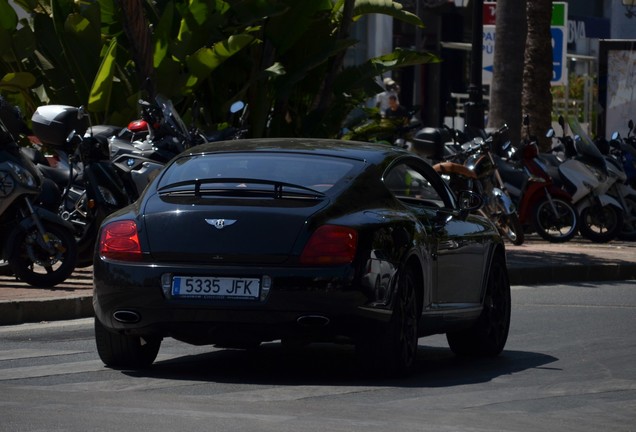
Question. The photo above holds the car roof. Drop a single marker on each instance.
(372, 153)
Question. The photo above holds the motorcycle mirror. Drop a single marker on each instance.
(237, 106)
(615, 136)
(550, 133)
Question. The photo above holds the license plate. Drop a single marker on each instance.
(222, 288)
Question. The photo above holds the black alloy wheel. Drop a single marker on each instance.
(120, 351)
(488, 336)
(394, 351)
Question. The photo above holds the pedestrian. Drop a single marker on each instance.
(396, 111)
(382, 99)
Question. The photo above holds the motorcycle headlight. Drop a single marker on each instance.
(23, 175)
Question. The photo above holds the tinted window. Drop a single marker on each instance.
(412, 184)
(316, 172)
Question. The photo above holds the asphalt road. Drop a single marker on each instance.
(568, 366)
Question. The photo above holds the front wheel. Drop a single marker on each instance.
(44, 262)
(628, 230)
(488, 336)
(556, 224)
(600, 224)
(125, 352)
(510, 226)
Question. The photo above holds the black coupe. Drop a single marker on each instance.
(241, 242)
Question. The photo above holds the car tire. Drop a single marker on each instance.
(119, 351)
(487, 337)
(393, 352)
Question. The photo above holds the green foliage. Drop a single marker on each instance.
(282, 57)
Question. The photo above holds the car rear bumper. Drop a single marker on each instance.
(302, 302)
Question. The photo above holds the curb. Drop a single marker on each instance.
(58, 309)
(38, 310)
(572, 274)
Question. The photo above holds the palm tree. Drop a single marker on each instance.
(506, 87)
(537, 73)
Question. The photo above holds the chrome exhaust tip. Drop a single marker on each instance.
(126, 316)
(312, 321)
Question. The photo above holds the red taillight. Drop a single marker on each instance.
(329, 245)
(119, 241)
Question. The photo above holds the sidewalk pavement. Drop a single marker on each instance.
(535, 262)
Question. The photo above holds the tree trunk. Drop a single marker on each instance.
(137, 30)
(537, 74)
(506, 87)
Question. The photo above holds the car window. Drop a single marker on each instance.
(412, 184)
(316, 172)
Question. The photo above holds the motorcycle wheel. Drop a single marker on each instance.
(600, 224)
(511, 228)
(35, 265)
(555, 228)
(628, 230)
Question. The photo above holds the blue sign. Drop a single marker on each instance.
(557, 53)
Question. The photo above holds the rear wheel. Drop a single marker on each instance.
(125, 352)
(43, 263)
(600, 224)
(556, 224)
(488, 336)
(394, 352)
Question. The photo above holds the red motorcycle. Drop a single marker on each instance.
(542, 206)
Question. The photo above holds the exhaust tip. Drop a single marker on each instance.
(313, 321)
(127, 316)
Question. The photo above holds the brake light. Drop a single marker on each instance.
(329, 245)
(119, 241)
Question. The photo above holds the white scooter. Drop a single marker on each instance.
(585, 174)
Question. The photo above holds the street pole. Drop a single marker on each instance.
(474, 108)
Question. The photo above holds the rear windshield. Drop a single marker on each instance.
(311, 171)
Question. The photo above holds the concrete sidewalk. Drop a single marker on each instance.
(534, 262)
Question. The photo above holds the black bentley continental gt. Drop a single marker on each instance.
(300, 240)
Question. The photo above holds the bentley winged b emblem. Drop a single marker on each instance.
(220, 223)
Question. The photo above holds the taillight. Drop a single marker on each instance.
(119, 241)
(329, 245)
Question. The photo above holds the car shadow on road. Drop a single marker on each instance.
(324, 364)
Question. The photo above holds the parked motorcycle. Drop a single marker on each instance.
(619, 156)
(93, 187)
(543, 207)
(583, 172)
(478, 157)
(37, 244)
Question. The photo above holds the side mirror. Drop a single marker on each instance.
(469, 201)
(615, 136)
(550, 133)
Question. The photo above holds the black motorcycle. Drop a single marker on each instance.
(37, 245)
(93, 188)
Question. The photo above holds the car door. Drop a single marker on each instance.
(457, 245)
